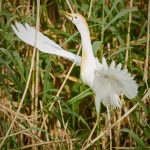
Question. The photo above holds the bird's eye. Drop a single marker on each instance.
(75, 17)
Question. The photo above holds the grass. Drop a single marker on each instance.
(43, 101)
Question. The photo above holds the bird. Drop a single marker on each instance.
(108, 82)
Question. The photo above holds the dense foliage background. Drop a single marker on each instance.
(58, 110)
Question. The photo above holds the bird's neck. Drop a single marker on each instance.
(88, 64)
(86, 43)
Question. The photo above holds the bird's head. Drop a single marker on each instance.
(76, 19)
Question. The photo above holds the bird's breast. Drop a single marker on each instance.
(87, 70)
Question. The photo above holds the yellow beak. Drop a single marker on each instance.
(68, 15)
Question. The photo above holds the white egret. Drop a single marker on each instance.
(107, 82)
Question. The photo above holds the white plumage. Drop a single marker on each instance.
(27, 34)
(108, 82)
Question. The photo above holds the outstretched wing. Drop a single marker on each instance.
(117, 80)
(27, 34)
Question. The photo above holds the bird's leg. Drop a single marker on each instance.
(90, 136)
(110, 133)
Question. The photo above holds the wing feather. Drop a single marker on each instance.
(116, 80)
(27, 34)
